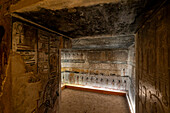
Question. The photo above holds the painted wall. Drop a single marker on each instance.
(97, 61)
(103, 61)
(35, 69)
(153, 63)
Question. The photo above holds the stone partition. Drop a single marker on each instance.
(153, 63)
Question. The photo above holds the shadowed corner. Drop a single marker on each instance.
(2, 32)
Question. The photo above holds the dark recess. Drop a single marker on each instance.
(2, 32)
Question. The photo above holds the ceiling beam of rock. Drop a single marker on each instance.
(103, 42)
(84, 18)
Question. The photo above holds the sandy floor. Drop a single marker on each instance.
(74, 101)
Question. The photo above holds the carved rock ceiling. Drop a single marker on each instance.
(90, 18)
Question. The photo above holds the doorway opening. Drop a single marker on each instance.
(106, 71)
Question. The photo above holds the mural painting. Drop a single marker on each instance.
(24, 43)
(39, 50)
(43, 52)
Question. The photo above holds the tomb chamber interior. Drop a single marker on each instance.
(85, 56)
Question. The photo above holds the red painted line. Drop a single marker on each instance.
(95, 90)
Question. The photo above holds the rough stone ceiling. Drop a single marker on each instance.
(112, 17)
(105, 19)
(86, 21)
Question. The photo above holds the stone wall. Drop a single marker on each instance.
(108, 62)
(34, 67)
(5, 44)
(97, 61)
(153, 63)
(131, 73)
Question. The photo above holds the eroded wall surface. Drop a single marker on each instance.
(96, 61)
(5, 42)
(35, 69)
(153, 63)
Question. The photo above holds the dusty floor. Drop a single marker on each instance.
(74, 101)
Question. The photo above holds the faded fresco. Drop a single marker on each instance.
(54, 48)
(38, 54)
(104, 61)
(43, 52)
(24, 42)
(48, 64)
